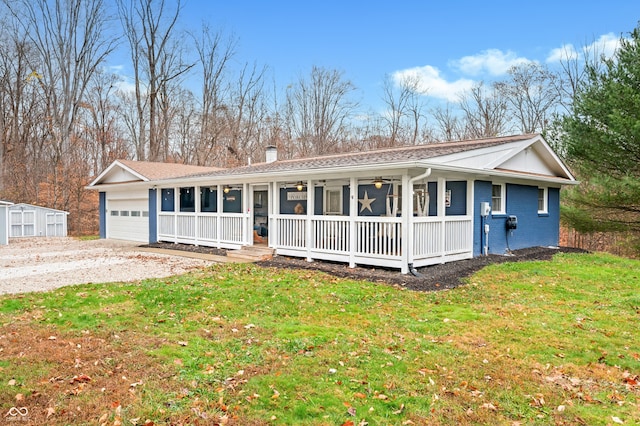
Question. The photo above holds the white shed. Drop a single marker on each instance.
(4, 222)
(26, 220)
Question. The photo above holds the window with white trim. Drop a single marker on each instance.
(333, 201)
(498, 202)
(543, 200)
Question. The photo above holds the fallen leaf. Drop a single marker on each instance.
(50, 411)
(351, 411)
(103, 418)
(11, 382)
(489, 406)
(348, 423)
(19, 397)
(617, 420)
(359, 395)
(399, 411)
(182, 343)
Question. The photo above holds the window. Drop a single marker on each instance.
(145, 213)
(497, 199)
(168, 200)
(124, 212)
(135, 213)
(115, 213)
(333, 201)
(188, 199)
(542, 200)
(208, 199)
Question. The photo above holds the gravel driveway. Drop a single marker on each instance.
(40, 264)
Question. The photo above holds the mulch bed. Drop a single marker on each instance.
(429, 278)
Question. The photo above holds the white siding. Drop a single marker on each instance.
(26, 220)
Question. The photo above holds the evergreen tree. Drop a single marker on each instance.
(602, 143)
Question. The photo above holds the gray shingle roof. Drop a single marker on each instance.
(155, 170)
(379, 156)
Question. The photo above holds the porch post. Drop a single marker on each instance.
(274, 204)
(310, 211)
(196, 213)
(353, 214)
(407, 212)
(442, 188)
(246, 209)
(219, 208)
(470, 212)
(176, 212)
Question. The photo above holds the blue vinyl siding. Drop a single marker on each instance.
(102, 211)
(153, 215)
(522, 201)
(458, 198)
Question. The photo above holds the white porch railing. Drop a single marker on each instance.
(292, 231)
(379, 236)
(331, 234)
(376, 240)
(439, 239)
(208, 229)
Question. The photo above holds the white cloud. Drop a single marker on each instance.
(431, 83)
(606, 45)
(492, 61)
(562, 53)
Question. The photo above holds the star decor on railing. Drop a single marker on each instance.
(366, 202)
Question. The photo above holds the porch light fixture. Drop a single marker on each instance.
(226, 189)
(299, 185)
(377, 182)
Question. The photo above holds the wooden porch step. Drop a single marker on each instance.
(251, 253)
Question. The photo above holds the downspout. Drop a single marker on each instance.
(425, 175)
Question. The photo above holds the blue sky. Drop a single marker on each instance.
(450, 44)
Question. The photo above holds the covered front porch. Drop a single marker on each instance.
(414, 217)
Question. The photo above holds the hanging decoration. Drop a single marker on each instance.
(366, 202)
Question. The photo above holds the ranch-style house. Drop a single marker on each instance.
(402, 207)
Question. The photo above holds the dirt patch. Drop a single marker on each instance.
(430, 278)
(40, 264)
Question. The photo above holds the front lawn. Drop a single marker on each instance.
(522, 343)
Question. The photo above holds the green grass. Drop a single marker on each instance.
(265, 346)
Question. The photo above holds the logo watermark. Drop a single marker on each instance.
(17, 414)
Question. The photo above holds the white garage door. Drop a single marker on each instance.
(128, 220)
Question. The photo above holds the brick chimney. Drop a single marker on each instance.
(271, 154)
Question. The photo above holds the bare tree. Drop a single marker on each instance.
(101, 121)
(246, 113)
(69, 38)
(404, 110)
(156, 54)
(574, 71)
(214, 55)
(317, 111)
(531, 96)
(449, 126)
(485, 112)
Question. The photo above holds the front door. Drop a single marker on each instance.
(260, 211)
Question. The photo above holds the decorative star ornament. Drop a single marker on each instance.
(366, 202)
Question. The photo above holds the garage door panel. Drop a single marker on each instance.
(128, 219)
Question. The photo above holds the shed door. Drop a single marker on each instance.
(128, 219)
(22, 223)
(55, 225)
